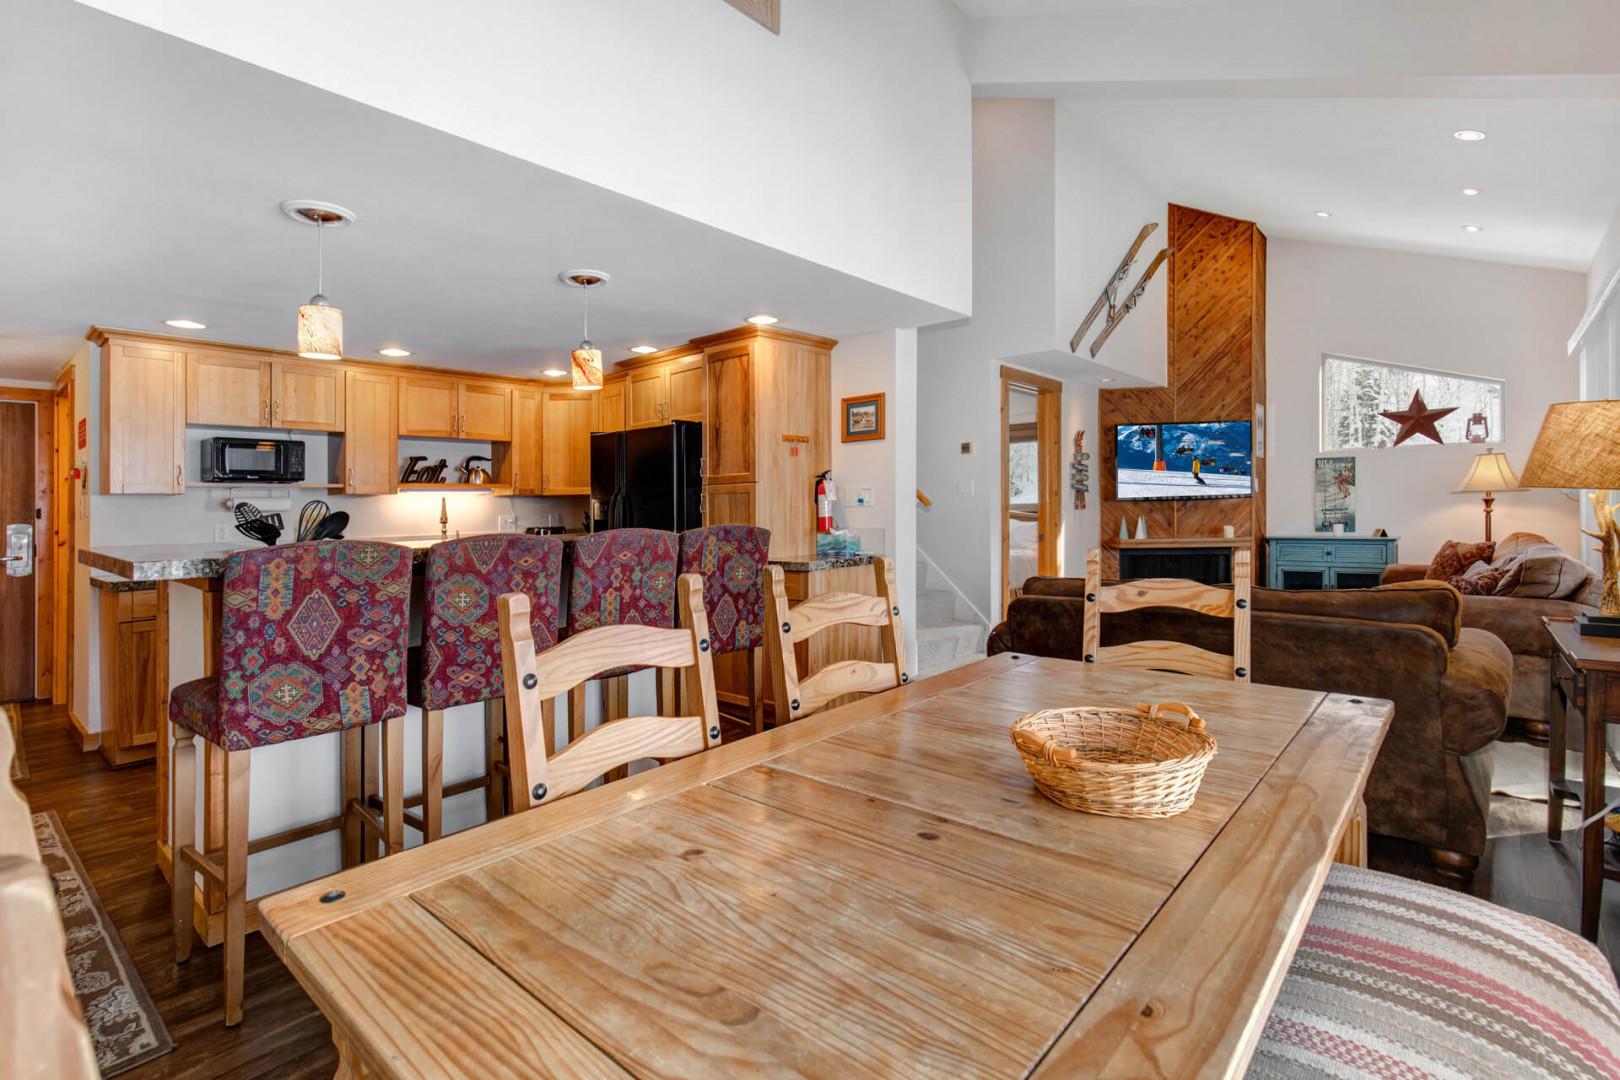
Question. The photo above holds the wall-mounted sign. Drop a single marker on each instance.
(84, 434)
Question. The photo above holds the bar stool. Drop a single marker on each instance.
(617, 578)
(731, 560)
(313, 643)
(459, 662)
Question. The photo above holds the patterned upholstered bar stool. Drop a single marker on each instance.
(618, 578)
(459, 662)
(313, 643)
(732, 560)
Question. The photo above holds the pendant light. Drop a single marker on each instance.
(587, 358)
(320, 324)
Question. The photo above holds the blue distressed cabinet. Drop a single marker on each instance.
(1325, 561)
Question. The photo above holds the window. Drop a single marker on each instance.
(1354, 392)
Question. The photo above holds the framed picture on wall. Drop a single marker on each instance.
(1335, 493)
(863, 418)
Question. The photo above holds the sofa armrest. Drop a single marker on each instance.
(1045, 626)
(1478, 683)
(1404, 571)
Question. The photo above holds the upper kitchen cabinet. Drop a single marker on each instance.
(519, 465)
(371, 403)
(230, 388)
(664, 386)
(441, 408)
(566, 420)
(610, 404)
(143, 416)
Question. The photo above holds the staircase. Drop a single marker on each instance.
(950, 632)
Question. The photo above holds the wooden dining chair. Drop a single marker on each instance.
(1176, 656)
(530, 678)
(797, 696)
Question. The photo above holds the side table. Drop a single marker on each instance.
(1585, 684)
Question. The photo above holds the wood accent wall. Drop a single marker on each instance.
(1216, 370)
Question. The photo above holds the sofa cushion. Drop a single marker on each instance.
(1517, 620)
(1399, 978)
(1543, 572)
(1423, 603)
(1476, 688)
(1456, 556)
(1514, 545)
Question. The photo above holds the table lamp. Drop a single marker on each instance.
(1489, 473)
(1579, 447)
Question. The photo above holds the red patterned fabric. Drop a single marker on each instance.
(623, 576)
(461, 637)
(313, 641)
(731, 559)
(1454, 557)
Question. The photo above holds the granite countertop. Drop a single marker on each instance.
(178, 562)
(810, 563)
(100, 579)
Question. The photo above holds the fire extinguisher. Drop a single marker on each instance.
(824, 501)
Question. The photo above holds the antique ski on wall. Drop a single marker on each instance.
(1111, 289)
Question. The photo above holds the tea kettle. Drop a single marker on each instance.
(473, 473)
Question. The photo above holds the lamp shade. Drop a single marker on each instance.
(1489, 472)
(1578, 447)
(320, 330)
(587, 367)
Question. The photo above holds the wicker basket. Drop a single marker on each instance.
(1144, 762)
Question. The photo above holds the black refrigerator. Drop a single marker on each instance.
(648, 478)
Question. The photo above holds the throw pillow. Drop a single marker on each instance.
(1544, 572)
(1481, 583)
(1516, 544)
(1453, 558)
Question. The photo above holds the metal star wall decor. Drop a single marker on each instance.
(1417, 419)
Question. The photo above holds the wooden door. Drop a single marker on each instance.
(429, 407)
(143, 410)
(370, 433)
(728, 454)
(225, 389)
(17, 508)
(685, 389)
(565, 426)
(527, 424)
(610, 406)
(646, 398)
(486, 411)
(306, 395)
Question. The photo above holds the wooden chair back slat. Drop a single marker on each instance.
(530, 679)
(797, 697)
(42, 1032)
(1234, 604)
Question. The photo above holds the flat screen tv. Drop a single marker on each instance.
(1209, 460)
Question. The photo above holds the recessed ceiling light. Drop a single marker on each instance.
(553, 373)
(1468, 135)
(643, 350)
(1473, 228)
(1472, 191)
(185, 324)
(763, 320)
(1324, 213)
(392, 351)
(1105, 380)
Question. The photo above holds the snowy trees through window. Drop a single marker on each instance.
(1354, 392)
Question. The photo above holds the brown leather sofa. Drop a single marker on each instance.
(1450, 685)
(1517, 621)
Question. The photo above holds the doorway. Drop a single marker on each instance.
(1031, 506)
(18, 593)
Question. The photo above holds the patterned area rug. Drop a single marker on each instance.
(19, 761)
(124, 1024)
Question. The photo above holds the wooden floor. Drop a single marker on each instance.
(109, 821)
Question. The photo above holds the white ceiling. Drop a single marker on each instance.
(141, 182)
(1273, 109)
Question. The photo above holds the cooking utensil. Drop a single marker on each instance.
(310, 518)
(475, 474)
(246, 512)
(263, 531)
(331, 528)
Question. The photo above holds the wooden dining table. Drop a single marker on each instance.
(876, 891)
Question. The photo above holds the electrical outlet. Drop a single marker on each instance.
(223, 530)
(506, 523)
(964, 487)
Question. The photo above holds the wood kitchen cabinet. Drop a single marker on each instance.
(519, 464)
(439, 408)
(143, 416)
(664, 386)
(610, 405)
(566, 420)
(307, 395)
(225, 388)
(133, 644)
(370, 433)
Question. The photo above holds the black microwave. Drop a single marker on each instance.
(259, 461)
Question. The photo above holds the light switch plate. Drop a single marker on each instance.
(863, 497)
(964, 487)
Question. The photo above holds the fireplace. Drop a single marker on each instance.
(1203, 559)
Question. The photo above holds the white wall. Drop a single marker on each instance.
(883, 363)
(844, 140)
(1479, 318)
(1051, 219)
